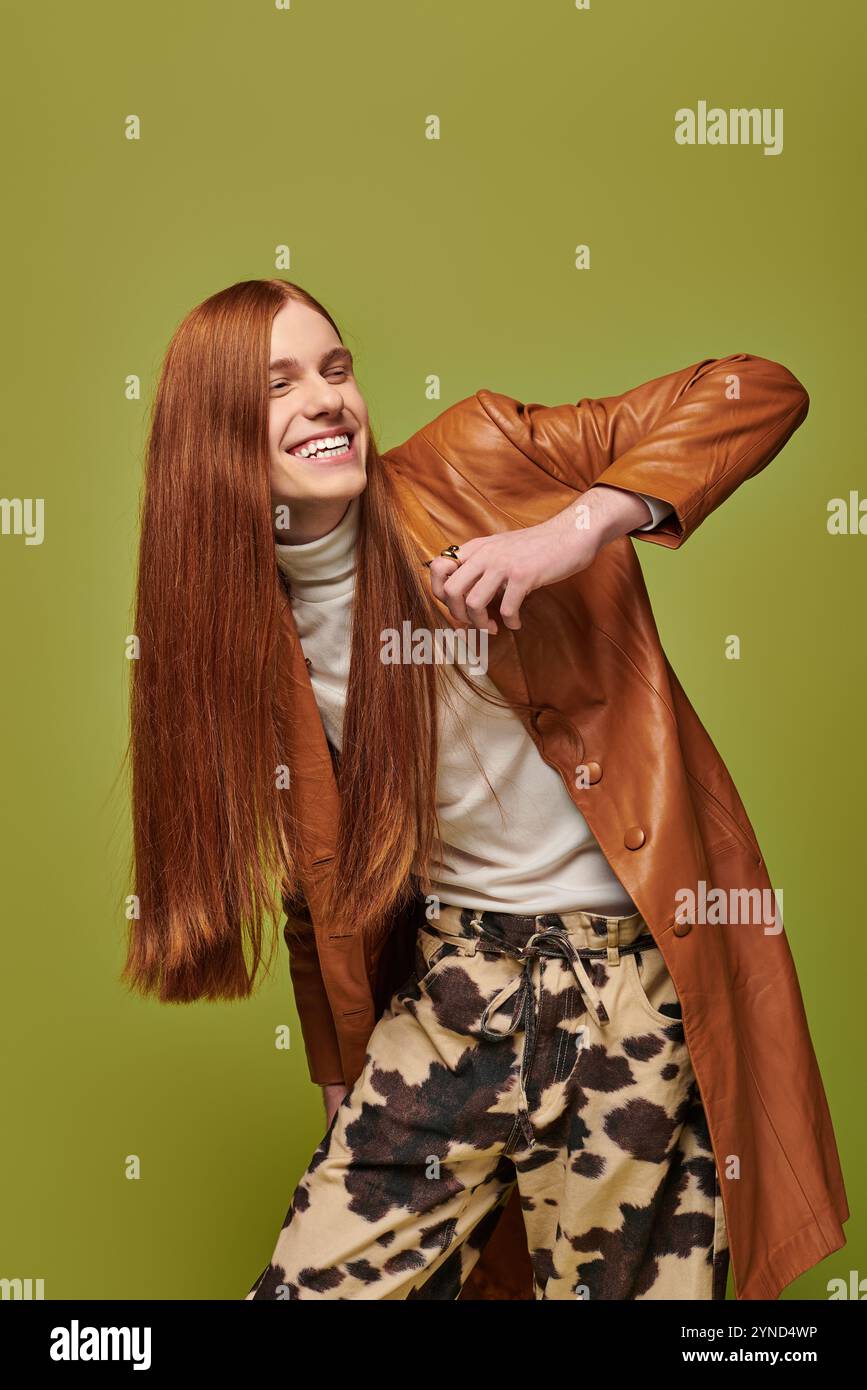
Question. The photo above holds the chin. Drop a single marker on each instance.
(350, 484)
(328, 490)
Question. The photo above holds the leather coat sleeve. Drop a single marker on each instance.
(688, 438)
(657, 510)
(311, 1000)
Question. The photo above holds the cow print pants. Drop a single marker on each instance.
(547, 1051)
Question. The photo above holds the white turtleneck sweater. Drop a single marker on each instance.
(540, 855)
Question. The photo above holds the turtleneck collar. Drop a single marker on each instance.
(324, 568)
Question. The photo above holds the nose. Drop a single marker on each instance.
(320, 397)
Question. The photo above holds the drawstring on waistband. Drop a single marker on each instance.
(553, 941)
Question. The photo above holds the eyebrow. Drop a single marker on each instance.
(291, 364)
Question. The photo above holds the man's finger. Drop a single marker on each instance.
(440, 569)
(479, 596)
(510, 604)
(457, 586)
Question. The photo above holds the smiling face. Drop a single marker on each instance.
(317, 424)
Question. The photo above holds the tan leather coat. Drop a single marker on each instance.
(656, 793)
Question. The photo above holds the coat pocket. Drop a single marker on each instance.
(719, 829)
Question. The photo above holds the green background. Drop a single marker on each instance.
(453, 257)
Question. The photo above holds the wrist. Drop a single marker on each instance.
(613, 512)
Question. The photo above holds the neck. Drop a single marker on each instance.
(323, 567)
(311, 520)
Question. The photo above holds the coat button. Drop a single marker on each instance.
(634, 837)
(594, 772)
(682, 928)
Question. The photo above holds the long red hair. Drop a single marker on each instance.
(214, 837)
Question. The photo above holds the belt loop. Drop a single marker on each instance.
(476, 921)
(613, 924)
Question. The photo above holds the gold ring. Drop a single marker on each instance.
(452, 552)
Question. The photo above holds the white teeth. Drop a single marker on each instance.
(333, 443)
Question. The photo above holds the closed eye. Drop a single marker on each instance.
(282, 382)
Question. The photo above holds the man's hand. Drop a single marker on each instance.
(514, 563)
(332, 1096)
